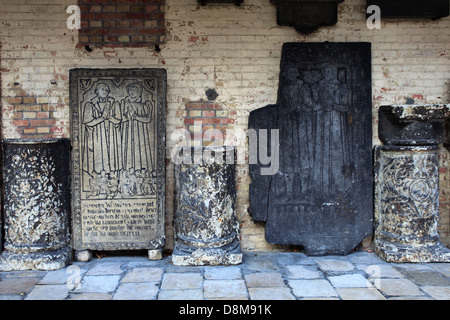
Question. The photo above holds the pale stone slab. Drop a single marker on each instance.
(223, 273)
(48, 292)
(189, 294)
(350, 281)
(265, 279)
(225, 289)
(365, 258)
(10, 297)
(62, 276)
(137, 291)
(105, 268)
(90, 296)
(381, 271)
(144, 275)
(17, 286)
(360, 294)
(438, 292)
(335, 265)
(302, 272)
(118, 123)
(312, 288)
(270, 294)
(397, 287)
(99, 283)
(182, 281)
(443, 268)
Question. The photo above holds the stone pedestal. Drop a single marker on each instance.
(206, 226)
(407, 185)
(36, 205)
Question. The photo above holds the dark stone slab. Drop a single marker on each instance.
(118, 163)
(265, 118)
(36, 204)
(431, 9)
(321, 196)
(306, 16)
(412, 124)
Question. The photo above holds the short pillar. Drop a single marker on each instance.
(206, 227)
(407, 184)
(36, 204)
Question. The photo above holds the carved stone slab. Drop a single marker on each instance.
(321, 196)
(118, 162)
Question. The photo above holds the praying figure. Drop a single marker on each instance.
(137, 131)
(101, 133)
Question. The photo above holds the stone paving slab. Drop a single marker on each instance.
(262, 276)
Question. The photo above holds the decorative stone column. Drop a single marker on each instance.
(36, 204)
(206, 227)
(407, 184)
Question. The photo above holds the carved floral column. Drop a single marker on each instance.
(206, 226)
(36, 205)
(407, 184)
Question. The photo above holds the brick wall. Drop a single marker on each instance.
(233, 50)
(208, 122)
(121, 23)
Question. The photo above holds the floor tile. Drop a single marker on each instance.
(312, 288)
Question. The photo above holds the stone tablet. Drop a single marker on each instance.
(321, 196)
(118, 159)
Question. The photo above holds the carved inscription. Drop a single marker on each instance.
(118, 139)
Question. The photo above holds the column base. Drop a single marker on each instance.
(207, 257)
(401, 253)
(46, 260)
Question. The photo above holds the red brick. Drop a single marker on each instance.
(188, 120)
(197, 105)
(13, 100)
(42, 122)
(21, 123)
(43, 115)
(110, 16)
(208, 113)
(209, 120)
(152, 9)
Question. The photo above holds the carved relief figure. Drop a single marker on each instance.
(95, 124)
(331, 147)
(137, 115)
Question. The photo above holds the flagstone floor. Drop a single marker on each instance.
(262, 276)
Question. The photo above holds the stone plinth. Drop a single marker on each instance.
(407, 185)
(36, 205)
(206, 226)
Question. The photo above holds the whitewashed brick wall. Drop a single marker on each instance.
(235, 50)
